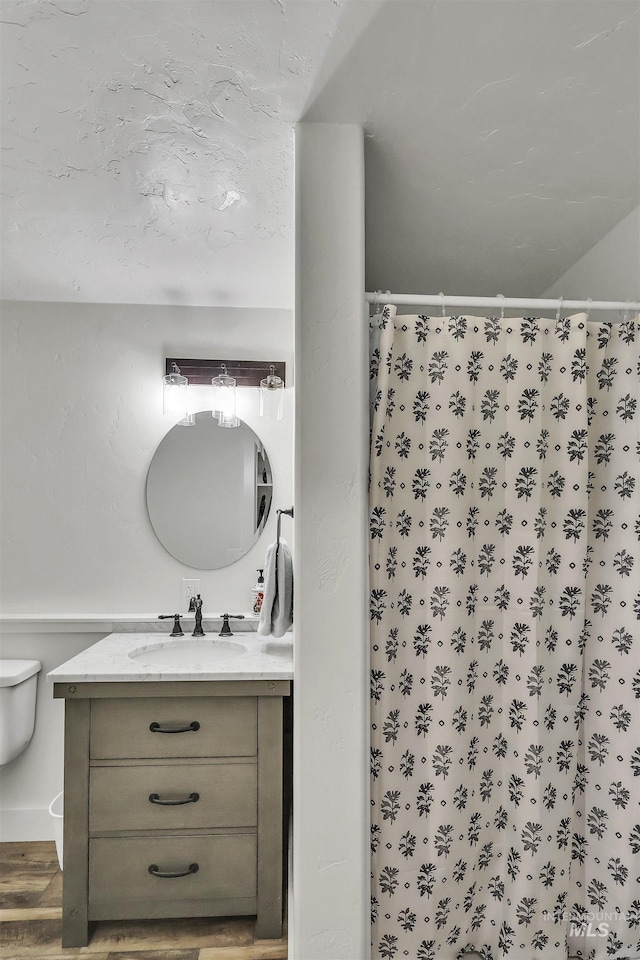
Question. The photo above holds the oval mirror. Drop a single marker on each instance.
(209, 492)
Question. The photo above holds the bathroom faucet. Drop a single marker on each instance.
(195, 604)
(177, 629)
(226, 629)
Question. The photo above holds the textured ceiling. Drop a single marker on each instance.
(147, 146)
(504, 139)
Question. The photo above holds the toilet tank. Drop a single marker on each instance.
(18, 685)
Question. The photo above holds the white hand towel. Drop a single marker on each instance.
(276, 614)
(268, 591)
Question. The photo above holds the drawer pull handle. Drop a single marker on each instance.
(156, 728)
(192, 798)
(154, 870)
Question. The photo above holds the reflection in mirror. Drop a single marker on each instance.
(209, 492)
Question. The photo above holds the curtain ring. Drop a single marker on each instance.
(559, 310)
(443, 310)
(626, 313)
(501, 297)
(589, 302)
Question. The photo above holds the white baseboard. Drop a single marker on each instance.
(25, 825)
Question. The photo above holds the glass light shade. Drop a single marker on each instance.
(224, 400)
(175, 402)
(271, 398)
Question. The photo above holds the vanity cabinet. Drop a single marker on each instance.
(173, 802)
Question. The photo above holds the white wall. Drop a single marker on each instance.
(80, 418)
(81, 402)
(331, 899)
(609, 271)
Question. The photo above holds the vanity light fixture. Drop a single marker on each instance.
(175, 397)
(271, 396)
(224, 376)
(224, 399)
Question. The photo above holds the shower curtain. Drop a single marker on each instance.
(505, 643)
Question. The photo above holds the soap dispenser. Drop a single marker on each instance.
(257, 595)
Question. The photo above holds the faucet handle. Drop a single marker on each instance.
(226, 629)
(177, 629)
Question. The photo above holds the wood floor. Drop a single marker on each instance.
(31, 922)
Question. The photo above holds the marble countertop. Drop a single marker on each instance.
(262, 658)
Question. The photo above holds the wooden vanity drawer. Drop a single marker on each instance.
(199, 727)
(221, 794)
(121, 886)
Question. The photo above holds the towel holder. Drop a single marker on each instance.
(289, 513)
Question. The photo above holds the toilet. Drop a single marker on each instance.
(18, 684)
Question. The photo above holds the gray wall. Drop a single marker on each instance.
(609, 271)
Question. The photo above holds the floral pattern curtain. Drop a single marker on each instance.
(504, 607)
(605, 846)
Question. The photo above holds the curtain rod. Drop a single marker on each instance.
(506, 303)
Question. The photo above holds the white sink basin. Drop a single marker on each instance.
(185, 653)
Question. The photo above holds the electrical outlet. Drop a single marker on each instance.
(189, 589)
